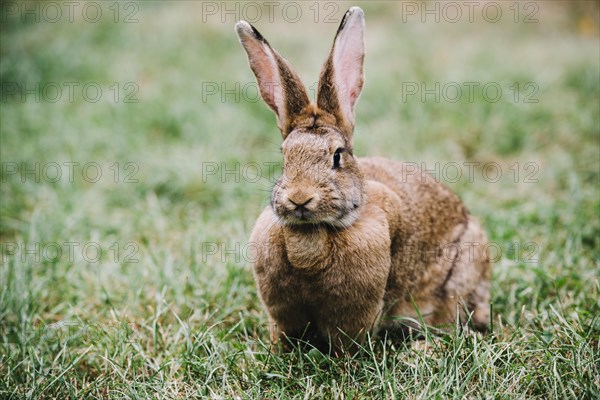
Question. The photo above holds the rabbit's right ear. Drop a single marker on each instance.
(342, 76)
(280, 86)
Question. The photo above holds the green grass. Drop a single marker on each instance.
(158, 315)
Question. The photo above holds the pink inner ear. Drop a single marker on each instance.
(352, 97)
(264, 66)
(266, 79)
(348, 57)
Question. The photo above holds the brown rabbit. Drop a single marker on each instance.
(347, 245)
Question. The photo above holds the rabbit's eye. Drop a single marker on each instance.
(336, 157)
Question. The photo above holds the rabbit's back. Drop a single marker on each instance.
(434, 240)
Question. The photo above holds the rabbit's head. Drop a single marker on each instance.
(322, 182)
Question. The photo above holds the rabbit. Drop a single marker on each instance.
(351, 246)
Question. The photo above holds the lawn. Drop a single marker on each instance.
(136, 156)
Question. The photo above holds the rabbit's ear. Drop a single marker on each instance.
(280, 86)
(342, 76)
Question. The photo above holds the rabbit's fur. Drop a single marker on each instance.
(347, 245)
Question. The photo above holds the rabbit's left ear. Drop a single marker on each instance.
(342, 76)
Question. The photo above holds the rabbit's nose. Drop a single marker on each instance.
(299, 199)
(301, 203)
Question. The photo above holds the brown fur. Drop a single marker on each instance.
(349, 246)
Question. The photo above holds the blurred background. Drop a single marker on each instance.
(136, 155)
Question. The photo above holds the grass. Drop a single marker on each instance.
(168, 309)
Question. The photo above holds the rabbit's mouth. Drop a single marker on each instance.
(296, 215)
(304, 217)
(300, 216)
